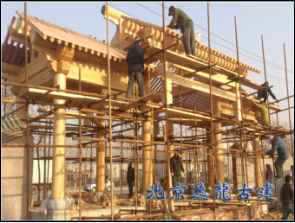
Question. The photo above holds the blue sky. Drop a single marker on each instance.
(273, 20)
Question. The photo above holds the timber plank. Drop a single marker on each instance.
(31, 92)
(176, 58)
(149, 97)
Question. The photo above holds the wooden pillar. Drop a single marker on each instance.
(58, 158)
(218, 141)
(237, 104)
(257, 163)
(146, 131)
(59, 68)
(100, 172)
(168, 88)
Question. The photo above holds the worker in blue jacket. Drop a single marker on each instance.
(283, 154)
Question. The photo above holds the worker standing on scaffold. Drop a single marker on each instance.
(181, 21)
(135, 67)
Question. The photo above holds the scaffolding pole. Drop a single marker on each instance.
(110, 111)
(290, 120)
(267, 101)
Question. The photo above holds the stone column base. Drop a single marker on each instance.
(59, 215)
(58, 209)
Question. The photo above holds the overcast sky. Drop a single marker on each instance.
(273, 20)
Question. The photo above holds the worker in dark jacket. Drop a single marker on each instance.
(176, 167)
(135, 67)
(287, 197)
(185, 24)
(283, 154)
(130, 179)
(262, 93)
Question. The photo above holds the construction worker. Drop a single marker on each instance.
(130, 179)
(176, 167)
(287, 198)
(263, 108)
(186, 26)
(283, 154)
(135, 67)
(262, 94)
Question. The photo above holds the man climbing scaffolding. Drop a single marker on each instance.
(181, 21)
(277, 144)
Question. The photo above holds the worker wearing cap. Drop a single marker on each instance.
(262, 95)
(278, 144)
(181, 21)
(135, 67)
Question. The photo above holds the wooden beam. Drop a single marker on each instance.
(50, 53)
(200, 87)
(31, 92)
(19, 40)
(96, 75)
(10, 69)
(216, 78)
(15, 54)
(34, 67)
(68, 129)
(19, 35)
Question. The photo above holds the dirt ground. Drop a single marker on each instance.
(273, 217)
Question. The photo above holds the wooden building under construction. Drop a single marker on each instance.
(73, 76)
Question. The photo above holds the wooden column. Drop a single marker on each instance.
(100, 172)
(168, 88)
(218, 141)
(257, 163)
(237, 104)
(59, 69)
(146, 131)
(58, 158)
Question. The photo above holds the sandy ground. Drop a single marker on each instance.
(273, 216)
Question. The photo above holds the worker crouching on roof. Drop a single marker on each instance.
(263, 108)
(186, 26)
(278, 144)
(135, 67)
(262, 95)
